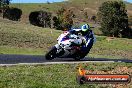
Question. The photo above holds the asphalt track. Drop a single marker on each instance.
(7, 60)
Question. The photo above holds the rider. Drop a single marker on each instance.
(87, 37)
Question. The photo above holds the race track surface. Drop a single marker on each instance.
(40, 59)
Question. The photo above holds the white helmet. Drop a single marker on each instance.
(85, 27)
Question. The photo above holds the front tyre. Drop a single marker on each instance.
(51, 54)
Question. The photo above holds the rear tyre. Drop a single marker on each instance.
(51, 54)
(78, 56)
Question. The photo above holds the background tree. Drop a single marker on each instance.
(59, 20)
(56, 23)
(114, 19)
(130, 21)
(12, 14)
(63, 20)
(40, 18)
(67, 19)
(4, 5)
(44, 19)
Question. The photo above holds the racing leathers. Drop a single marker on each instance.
(88, 39)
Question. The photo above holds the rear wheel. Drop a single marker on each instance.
(51, 54)
(78, 56)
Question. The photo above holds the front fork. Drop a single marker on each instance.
(60, 51)
(57, 46)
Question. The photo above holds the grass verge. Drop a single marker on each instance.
(59, 75)
(24, 51)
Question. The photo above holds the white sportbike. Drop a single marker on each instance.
(69, 45)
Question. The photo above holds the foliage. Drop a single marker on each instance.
(45, 18)
(40, 18)
(67, 19)
(56, 23)
(12, 14)
(63, 20)
(114, 19)
(130, 20)
(9, 13)
(4, 4)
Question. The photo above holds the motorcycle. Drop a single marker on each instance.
(69, 45)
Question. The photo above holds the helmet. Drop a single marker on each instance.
(85, 27)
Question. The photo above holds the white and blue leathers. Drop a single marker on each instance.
(88, 38)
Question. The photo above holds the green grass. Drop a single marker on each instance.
(118, 47)
(26, 35)
(21, 38)
(29, 7)
(17, 50)
(55, 76)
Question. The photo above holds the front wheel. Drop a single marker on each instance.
(51, 54)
